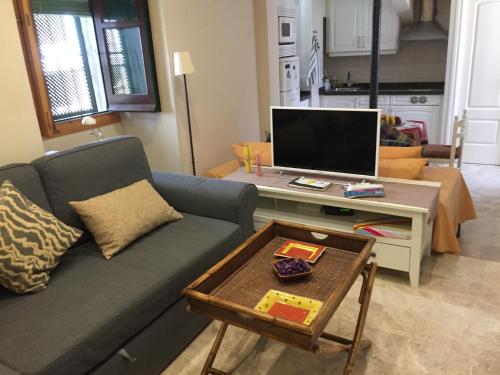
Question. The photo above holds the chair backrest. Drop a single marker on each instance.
(457, 139)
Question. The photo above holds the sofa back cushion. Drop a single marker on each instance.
(90, 170)
(26, 179)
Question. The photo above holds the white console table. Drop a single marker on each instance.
(416, 200)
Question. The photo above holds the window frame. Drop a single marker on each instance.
(150, 101)
(48, 127)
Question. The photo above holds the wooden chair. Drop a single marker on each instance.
(449, 154)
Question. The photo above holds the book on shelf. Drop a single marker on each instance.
(389, 227)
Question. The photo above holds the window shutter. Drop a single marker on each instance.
(126, 52)
(72, 7)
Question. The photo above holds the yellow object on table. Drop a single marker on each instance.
(247, 154)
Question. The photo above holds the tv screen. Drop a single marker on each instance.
(334, 141)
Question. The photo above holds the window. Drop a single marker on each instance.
(87, 57)
(70, 63)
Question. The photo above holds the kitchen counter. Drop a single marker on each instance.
(393, 88)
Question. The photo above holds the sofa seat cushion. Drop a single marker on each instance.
(93, 306)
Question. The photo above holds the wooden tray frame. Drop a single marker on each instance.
(201, 301)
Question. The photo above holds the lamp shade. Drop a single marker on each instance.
(183, 63)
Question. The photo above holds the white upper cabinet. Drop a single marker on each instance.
(349, 27)
(389, 29)
(343, 23)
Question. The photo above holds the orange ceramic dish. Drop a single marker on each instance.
(301, 250)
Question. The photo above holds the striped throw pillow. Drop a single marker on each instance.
(32, 241)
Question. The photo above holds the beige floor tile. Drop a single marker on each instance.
(450, 325)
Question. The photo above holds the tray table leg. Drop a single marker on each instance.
(364, 299)
(207, 368)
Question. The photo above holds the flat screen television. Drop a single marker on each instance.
(340, 142)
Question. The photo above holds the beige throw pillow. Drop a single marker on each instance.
(117, 218)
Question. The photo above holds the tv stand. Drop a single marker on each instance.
(417, 200)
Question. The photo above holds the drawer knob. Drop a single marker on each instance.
(373, 255)
(423, 99)
(414, 100)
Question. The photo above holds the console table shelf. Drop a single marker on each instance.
(417, 201)
(291, 211)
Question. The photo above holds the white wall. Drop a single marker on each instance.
(20, 139)
(223, 92)
(416, 61)
(71, 140)
(159, 131)
(266, 31)
(220, 36)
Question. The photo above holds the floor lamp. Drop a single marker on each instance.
(183, 66)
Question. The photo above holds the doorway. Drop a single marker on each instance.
(473, 77)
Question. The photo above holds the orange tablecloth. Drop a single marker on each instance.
(455, 207)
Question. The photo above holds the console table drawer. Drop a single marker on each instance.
(391, 256)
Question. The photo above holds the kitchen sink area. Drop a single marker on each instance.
(389, 88)
(411, 101)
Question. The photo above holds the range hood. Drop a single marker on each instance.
(426, 28)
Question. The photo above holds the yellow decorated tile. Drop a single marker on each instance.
(291, 307)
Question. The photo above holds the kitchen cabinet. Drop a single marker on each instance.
(383, 101)
(339, 101)
(416, 100)
(389, 28)
(430, 114)
(349, 27)
(409, 107)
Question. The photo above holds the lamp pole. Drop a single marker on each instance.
(189, 126)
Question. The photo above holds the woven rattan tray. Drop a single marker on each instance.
(230, 290)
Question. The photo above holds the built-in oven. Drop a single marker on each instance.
(286, 30)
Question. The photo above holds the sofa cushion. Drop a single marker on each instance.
(409, 169)
(32, 241)
(117, 218)
(93, 306)
(90, 170)
(27, 180)
(394, 152)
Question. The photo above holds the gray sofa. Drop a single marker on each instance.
(96, 312)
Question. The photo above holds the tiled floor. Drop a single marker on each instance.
(481, 237)
(450, 325)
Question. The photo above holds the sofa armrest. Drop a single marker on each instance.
(219, 199)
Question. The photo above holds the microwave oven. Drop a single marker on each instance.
(286, 30)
